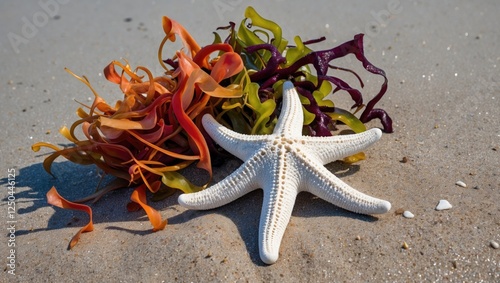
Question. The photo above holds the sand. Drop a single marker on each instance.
(442, 62)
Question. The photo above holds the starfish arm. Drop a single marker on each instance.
(240, 145)
(279, 199)
(329, 149)
(276, 211)
(322, 183)
(291, 117)
(234, 186)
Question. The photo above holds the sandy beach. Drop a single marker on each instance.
(442, 61)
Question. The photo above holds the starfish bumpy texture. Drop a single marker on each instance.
(284, 164)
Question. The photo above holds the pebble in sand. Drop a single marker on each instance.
(443, 204)
(494, 245)
(408, 214)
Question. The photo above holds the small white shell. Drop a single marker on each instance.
(494, 245)
(461, 184)
(443, 204)
(408, 214)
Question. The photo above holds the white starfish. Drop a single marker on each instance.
(284, 164)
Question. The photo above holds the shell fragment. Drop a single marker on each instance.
(443, 204)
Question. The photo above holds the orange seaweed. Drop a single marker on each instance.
(139, 197)
(150, 134)
(55, 199)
